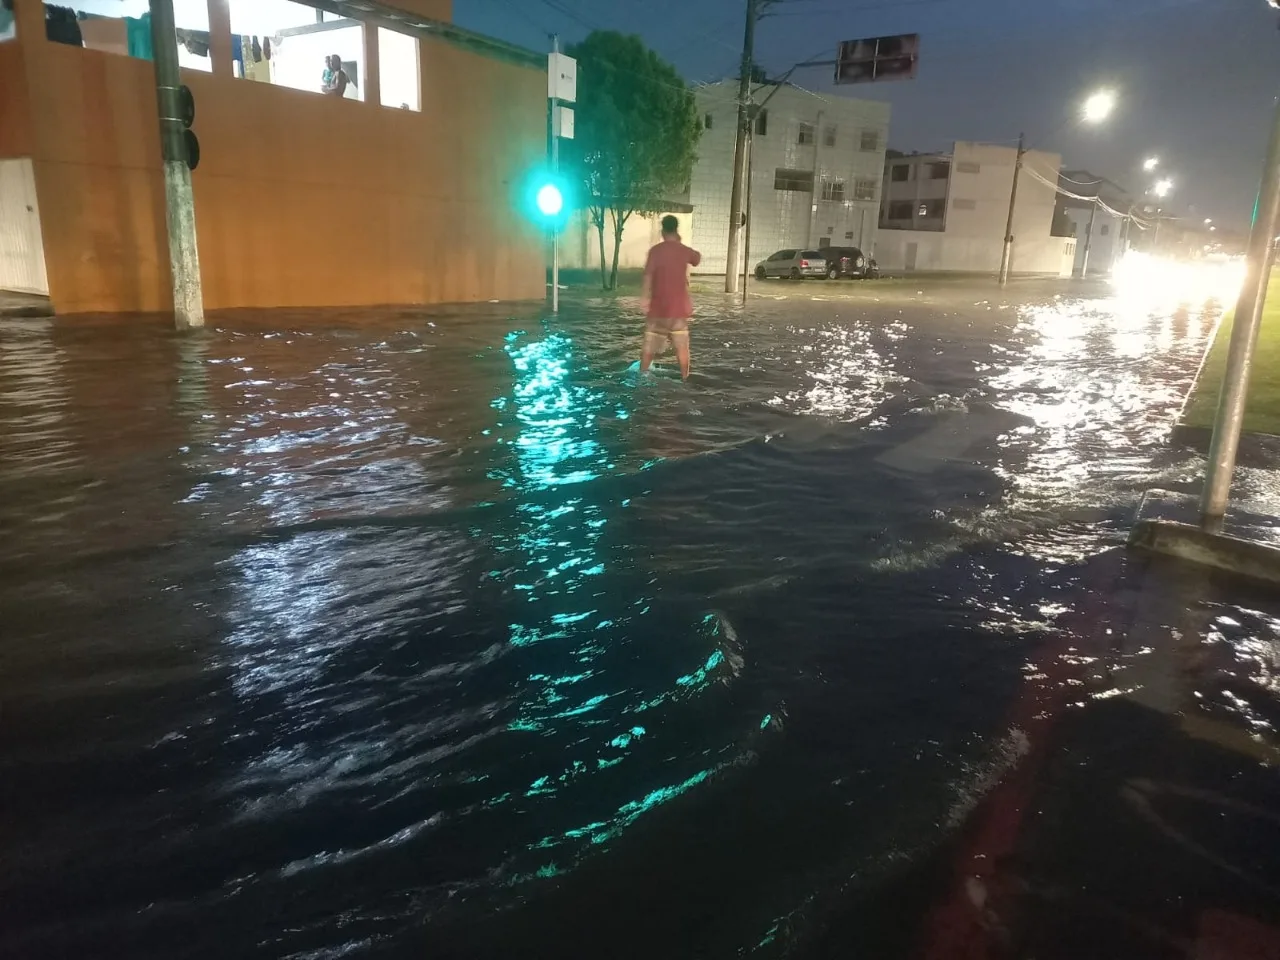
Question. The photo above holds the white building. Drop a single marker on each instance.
(948, 212)
(1107, 220)
(817, 166)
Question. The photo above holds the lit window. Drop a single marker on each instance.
(398, 70)
(289, 45)
(124, 27)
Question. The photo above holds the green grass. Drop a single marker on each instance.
(1263, 412)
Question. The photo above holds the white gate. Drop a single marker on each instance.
(21, 245)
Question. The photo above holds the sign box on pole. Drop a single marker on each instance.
(562, 78)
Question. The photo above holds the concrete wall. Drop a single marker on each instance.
(301, 200)
(788, 218)
(1107, 246)
(580, 242)
(944, 252)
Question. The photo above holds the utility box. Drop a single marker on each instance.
(562, 78)
(562, 126)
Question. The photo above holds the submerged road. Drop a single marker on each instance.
(441, 634)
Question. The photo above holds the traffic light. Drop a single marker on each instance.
(547, 200)
(187, 113)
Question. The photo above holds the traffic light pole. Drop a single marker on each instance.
(555, 172)
(1244, 338)
(1006, 257)
(740, 149)
(184, 257)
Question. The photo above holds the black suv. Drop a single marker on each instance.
(849, 262)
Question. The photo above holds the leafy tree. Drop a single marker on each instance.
(636, 132)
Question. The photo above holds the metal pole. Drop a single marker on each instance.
(555, 170)
(739, 150)
(1088, 241)
(1006, 256)
(1244, 337)
(180, 204)
(746, 251)
(813, 193)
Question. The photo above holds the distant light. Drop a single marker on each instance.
(1150, 163)
(1099, 106)
(1208, 220)
(1212, 229)
(1162, 188)
(550, 200)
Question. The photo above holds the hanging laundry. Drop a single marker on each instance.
(138, 30)
(266, 48)
(237, 55)
(61, 26)
(196, 42)
(257, 51)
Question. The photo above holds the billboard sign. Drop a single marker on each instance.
(878, 58)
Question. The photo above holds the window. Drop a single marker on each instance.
(286, 44)
(806, 134)
(829, 136)
(864, 188)
(1106, 229)
(762, 123)
(124, 28)
(900, 173)
(900, 210)
(848, 234)
(833, 190)
(968, 166)
(398, 76)
(824, 242)
(939, 171)
(869, 142)
(930, 209)
(800, 180)
(706, 122)
(959, 204)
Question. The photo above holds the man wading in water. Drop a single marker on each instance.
(665, 297)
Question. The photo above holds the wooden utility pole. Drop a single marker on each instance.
(740, 148)
(1006, 256)
(184, 258)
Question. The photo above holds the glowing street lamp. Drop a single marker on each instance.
(1208, 220)
(1099, 106)
(1162, 188)
(1150, 163)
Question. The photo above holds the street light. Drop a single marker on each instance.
(1162, 188)
(1208, 220)
(1099, 106)
(1150, 163)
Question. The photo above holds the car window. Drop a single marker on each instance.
(786, 255)
(812, 255)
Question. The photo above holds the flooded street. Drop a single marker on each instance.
(444, 634)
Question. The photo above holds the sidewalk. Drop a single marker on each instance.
(23, 305)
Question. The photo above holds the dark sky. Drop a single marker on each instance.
(1195, 78)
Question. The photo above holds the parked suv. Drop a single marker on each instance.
(793, 264)
(849, 262)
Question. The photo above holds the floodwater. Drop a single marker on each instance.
(445, 635)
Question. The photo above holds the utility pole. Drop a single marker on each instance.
(746, 248)
(813, 193)
(555, 172)
(740, 148)
(1088, 241)
(180, 205)
(1244, 338)
(1006, 256)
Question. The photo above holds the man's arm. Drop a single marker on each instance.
(646, 285)
(695, 257)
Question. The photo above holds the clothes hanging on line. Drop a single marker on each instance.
(237, 55)
(138, 32)
(61, 26)
(196, 42)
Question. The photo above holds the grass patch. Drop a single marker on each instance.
(1262, 415)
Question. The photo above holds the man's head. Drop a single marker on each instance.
(335, 62)
(670, 226)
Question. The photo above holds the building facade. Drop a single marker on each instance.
(816, 168)
(401, 192)
(948, 212)
(1101, 229)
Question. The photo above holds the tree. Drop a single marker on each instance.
(636, 132)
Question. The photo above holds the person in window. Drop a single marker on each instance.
(334, 78)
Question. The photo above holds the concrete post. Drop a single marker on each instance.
(372, 66)
(28, 17)
(220, 38)
(1006, 256)
(740, 150)
(746, 243)
(184, 259)
(1088, 241)
(1244, 337)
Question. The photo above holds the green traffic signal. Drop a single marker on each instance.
(550, 200)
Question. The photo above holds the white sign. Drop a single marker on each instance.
(563, 123)
(562, 78)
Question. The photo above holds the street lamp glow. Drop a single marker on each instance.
(549, 200)
(1150, 163)
(1162, 188)
(1099, 106)
(1208, 220)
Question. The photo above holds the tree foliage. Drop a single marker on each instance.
(636, 133)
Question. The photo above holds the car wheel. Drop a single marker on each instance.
(833, 273)
(795, 273)
(759, 273)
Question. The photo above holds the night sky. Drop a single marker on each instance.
(1195, 77)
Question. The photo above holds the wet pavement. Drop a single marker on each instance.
(443, 634)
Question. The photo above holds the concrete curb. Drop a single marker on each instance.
(1245, 558)
(1256, 449)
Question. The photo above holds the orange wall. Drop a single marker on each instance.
(301, 200)
(15, 117)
